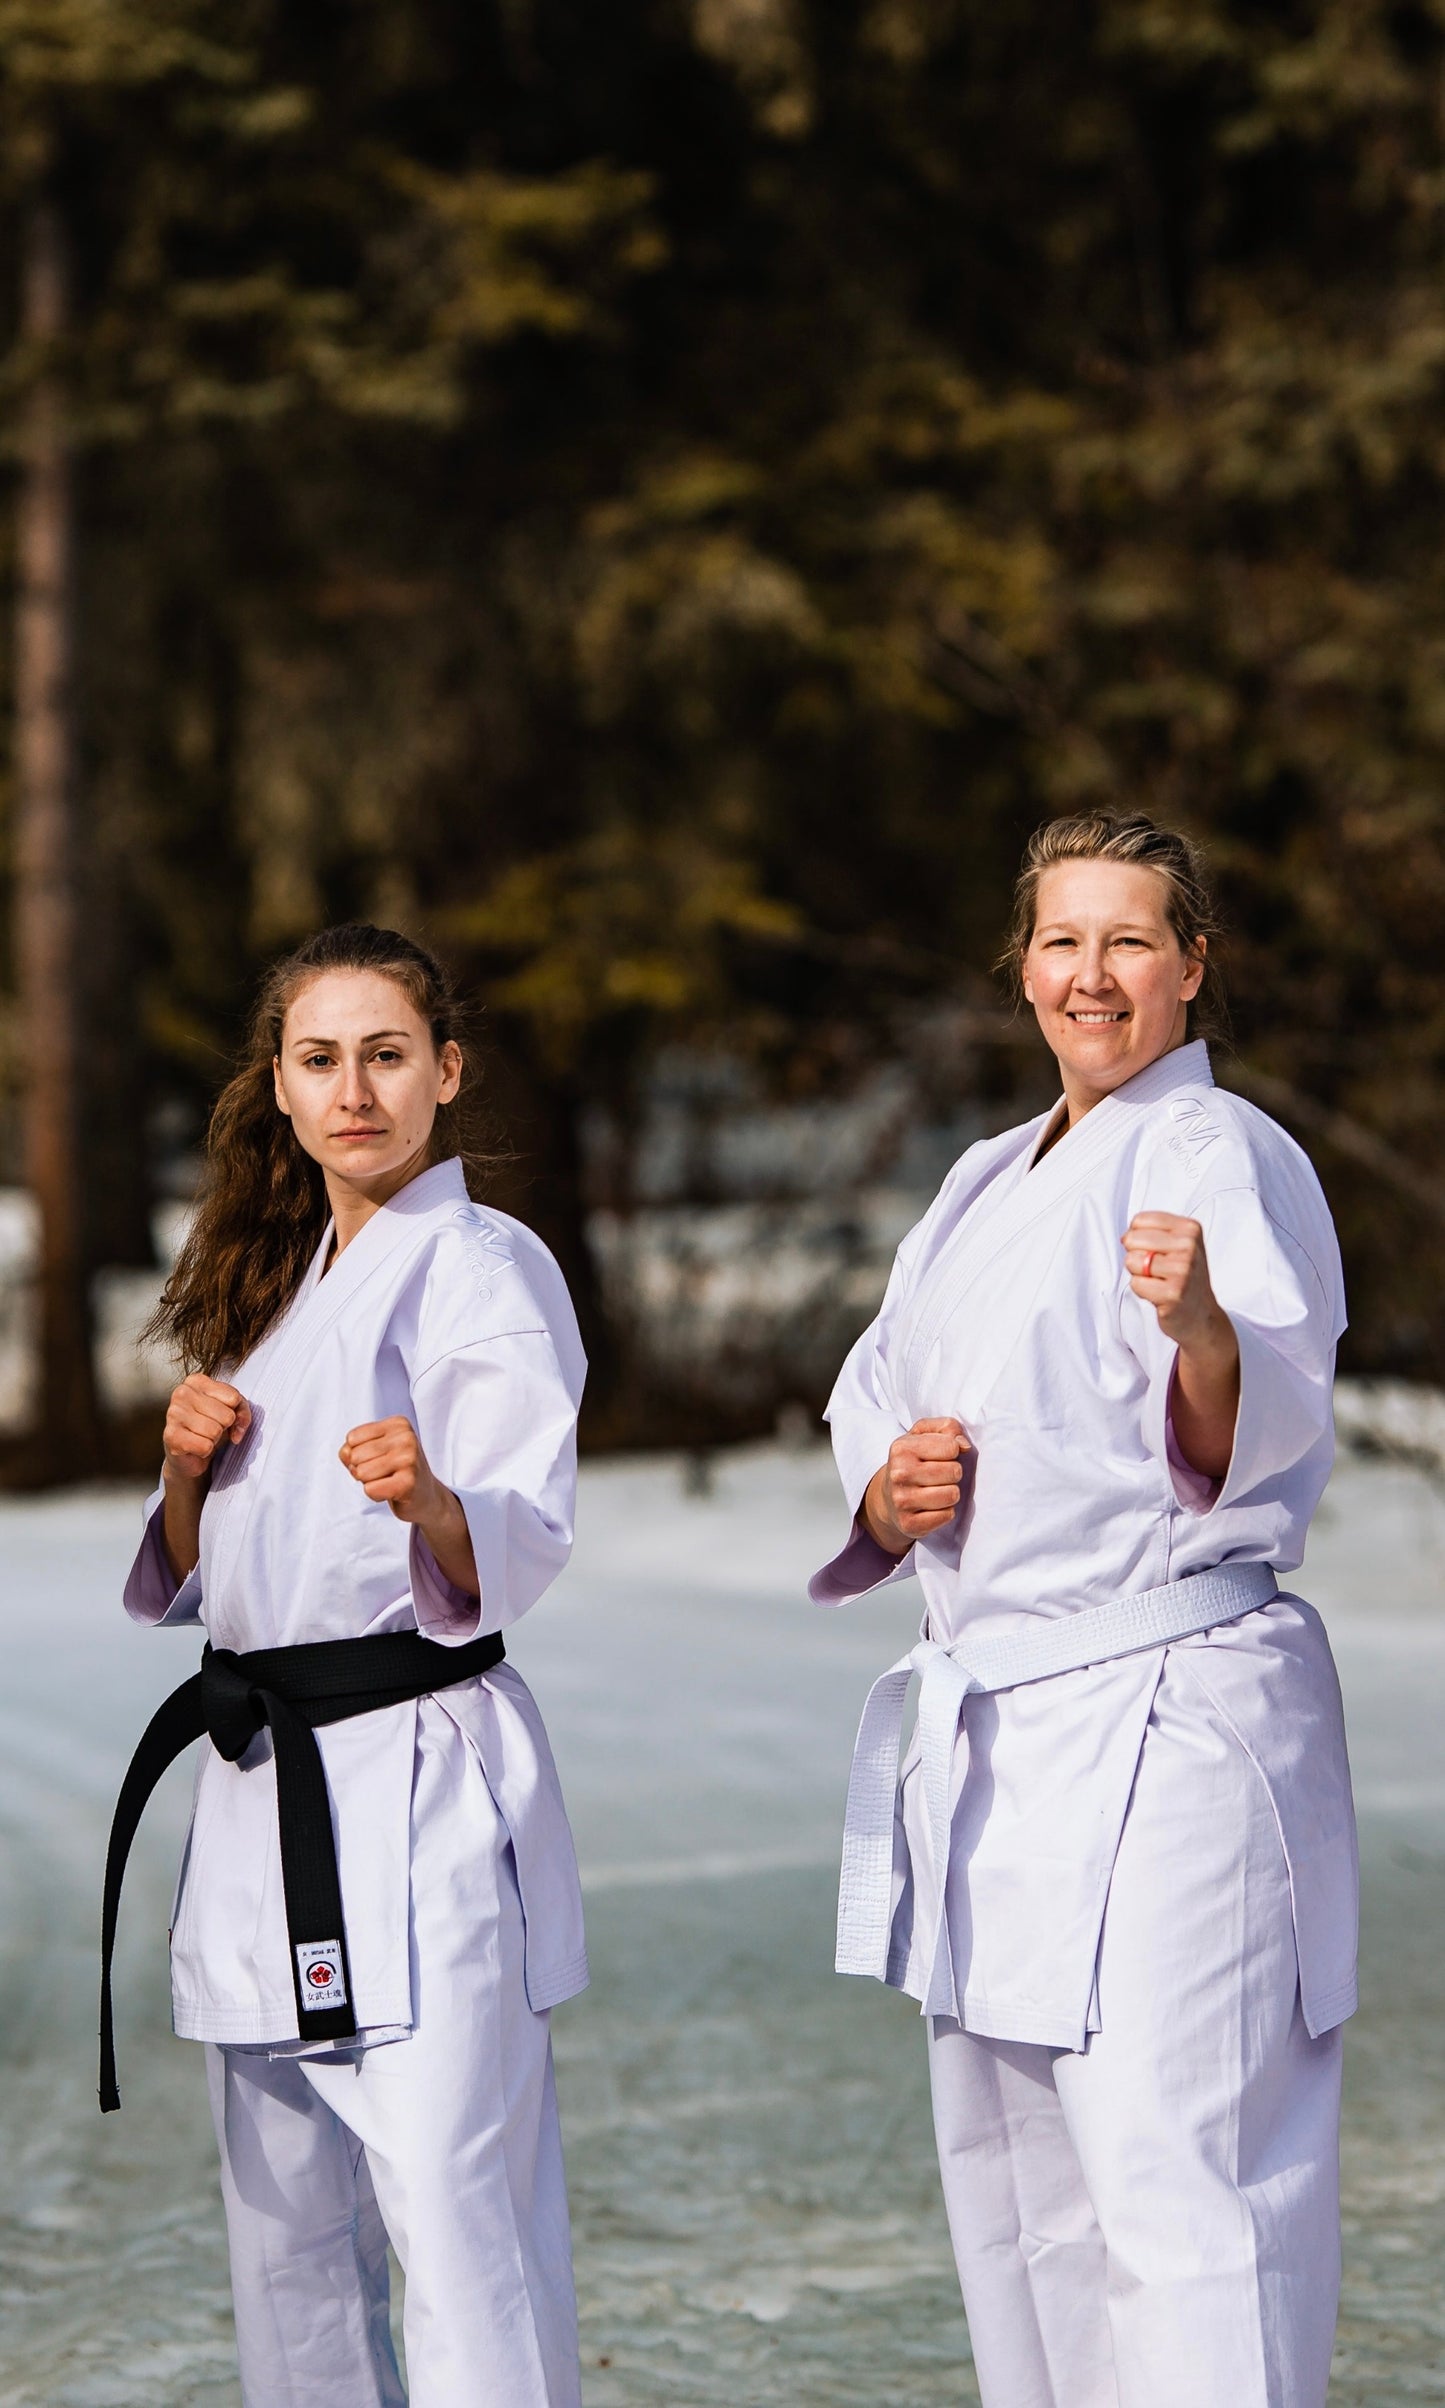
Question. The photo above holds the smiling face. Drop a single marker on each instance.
(1106, 974)
(360, 1080)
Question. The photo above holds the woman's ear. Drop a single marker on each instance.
(451, 1071)
(1193, 970)
(281, 1103)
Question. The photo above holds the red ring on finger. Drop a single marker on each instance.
(1148, 1271)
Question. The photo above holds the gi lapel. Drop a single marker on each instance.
(399, 1229)
(1016, 1203)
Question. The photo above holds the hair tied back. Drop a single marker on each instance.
(1134, 838)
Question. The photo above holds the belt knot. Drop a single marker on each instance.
(926, 1654)
(234, 1708)
(971, 1666)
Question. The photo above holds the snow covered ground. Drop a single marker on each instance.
(756, 2207)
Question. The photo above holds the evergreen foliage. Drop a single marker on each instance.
(663, 495)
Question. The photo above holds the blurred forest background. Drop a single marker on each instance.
(659, 497)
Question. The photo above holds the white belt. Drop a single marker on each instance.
(968, 1668)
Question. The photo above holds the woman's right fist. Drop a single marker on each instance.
(918, 1488)
(202, 1415)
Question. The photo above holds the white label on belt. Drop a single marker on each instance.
(323, 1979)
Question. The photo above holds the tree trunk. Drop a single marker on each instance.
(541, 1182)
(46, 881)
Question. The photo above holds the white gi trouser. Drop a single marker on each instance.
(1153, 2222)
(446, 2141)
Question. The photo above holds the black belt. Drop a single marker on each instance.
(294, 1690)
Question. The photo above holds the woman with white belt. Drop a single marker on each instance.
(1094, 1417)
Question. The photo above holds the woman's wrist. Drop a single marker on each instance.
(444, 1527)
(1213, 1347)
(1205, 1405)
(878, 1522)
(183, 1495)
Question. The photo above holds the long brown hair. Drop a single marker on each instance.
(263, 1204)
(1131, 837)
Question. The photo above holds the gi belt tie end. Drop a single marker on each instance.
(969, 1666)
(292, 1692)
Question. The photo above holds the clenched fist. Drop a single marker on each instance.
(203, 1414)
(1168, 1267)
(386, 1458)
(917, 1490)
(203, 1417)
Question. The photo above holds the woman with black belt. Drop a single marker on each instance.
(369, 1473)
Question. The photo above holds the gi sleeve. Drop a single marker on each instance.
(151, 1594)
(497, 1420)
(865, 1415)
(1286, 1307)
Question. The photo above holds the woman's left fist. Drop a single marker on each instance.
(1167, 1265)
(386, 1457)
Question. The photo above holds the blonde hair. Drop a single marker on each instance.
(1134, 838)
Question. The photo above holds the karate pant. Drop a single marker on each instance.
(1153, 2222)
(447, 2142)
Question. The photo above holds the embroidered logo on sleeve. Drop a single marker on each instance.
(323, 1982)
(1194, 1131)
(486, 1255)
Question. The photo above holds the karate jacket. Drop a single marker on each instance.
(1010, 1308)
(457, 1317)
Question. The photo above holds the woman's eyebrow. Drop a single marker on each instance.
(332, 1042)
(1114, 928)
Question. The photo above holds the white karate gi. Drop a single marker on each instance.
(1151, 1887)
(458, 1878)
